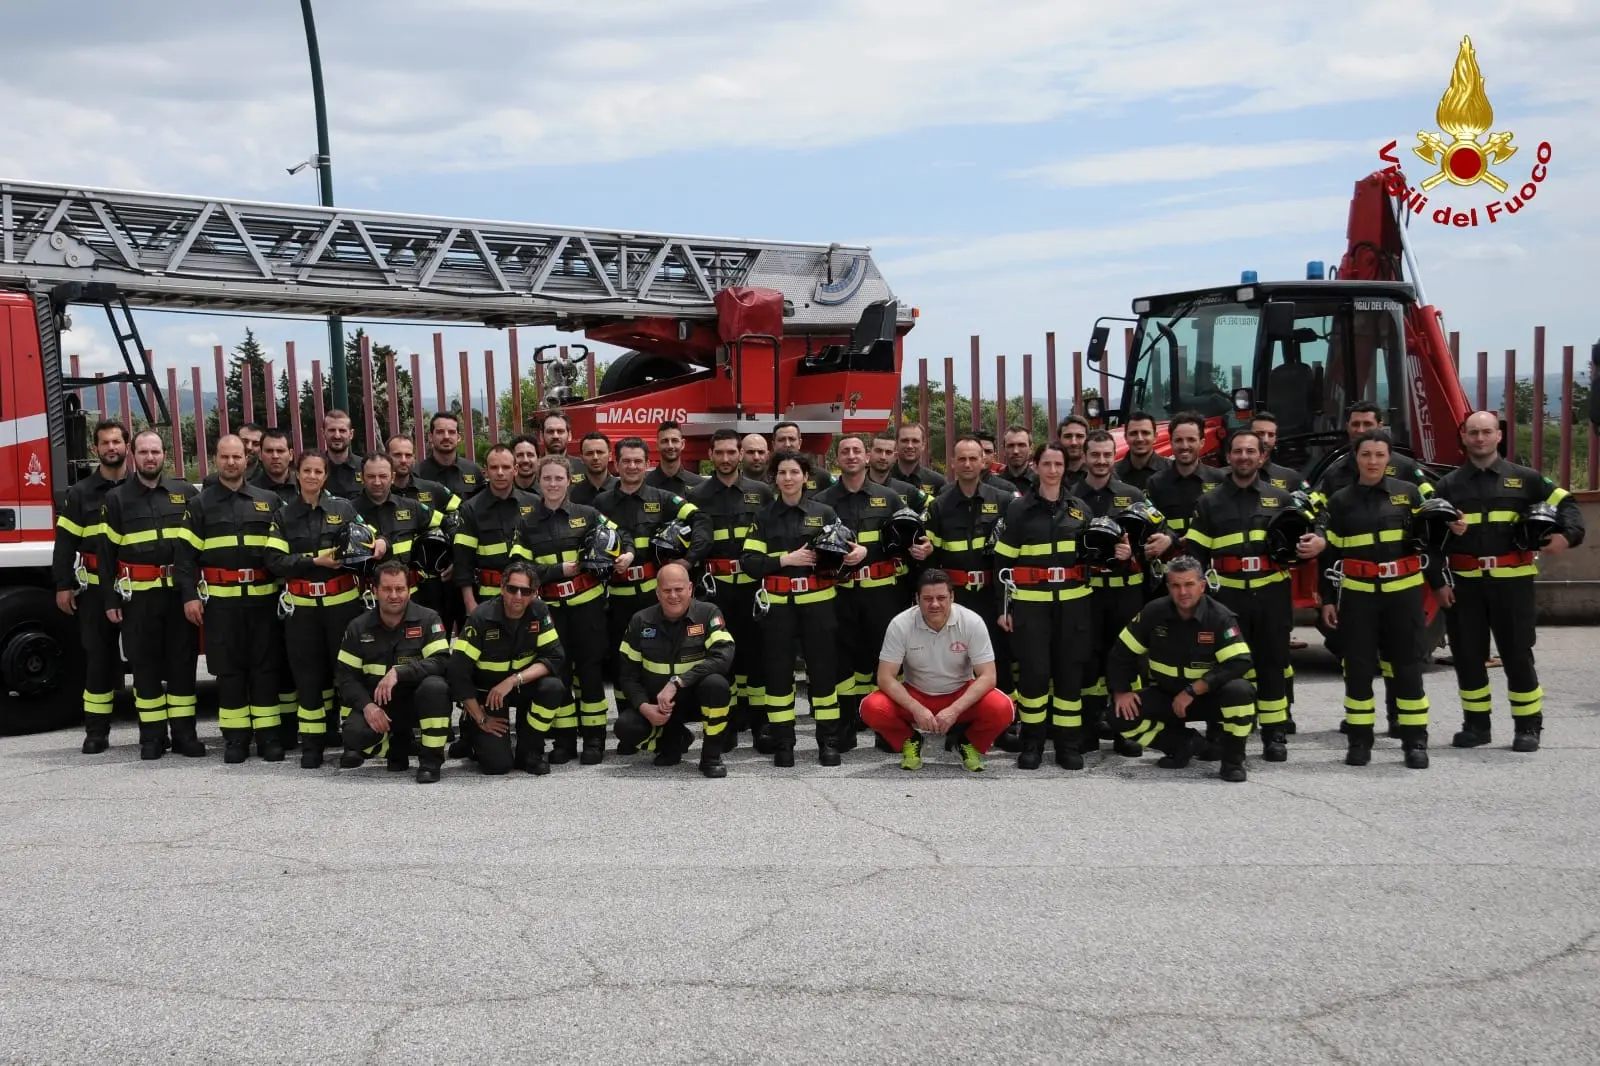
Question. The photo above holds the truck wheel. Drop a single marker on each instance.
(632, 369)
(41, 663)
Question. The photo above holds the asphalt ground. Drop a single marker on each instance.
(184, 911)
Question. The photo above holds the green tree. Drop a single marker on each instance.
(248, 358)
(1042, 424)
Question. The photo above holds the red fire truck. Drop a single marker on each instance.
(722, 332)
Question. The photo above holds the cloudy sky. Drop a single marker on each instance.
(1017, 167)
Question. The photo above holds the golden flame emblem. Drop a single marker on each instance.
(1465, 114)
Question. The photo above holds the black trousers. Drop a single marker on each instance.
(1266, 620)
(985, 603)
(585, 638)
(1386, 626)
(708, 700)
(1502, 608)
(242, 655)
(810, 627)
(424, 706)
(312, 636)
(1114, 607)
(531, 710)
(102, 654)
(163, 649)
(1053, 642)
(863, 616)
(749, 681)
(1232, 707)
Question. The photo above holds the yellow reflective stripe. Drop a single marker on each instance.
(754, 545)
(1390, 536)
(235, 591)
(1358, 540)
(547, 636)
(278, 543)
(1556, 497)
(466, 540)
(1252, 583)
(63, 522)
(871, 536)
(628, 652)
(1133, 642)
(145, 536)
(1202, 539)
(350, 659)
(1162, 668)
(232, 540)
(654, 667)
(435, 647)
(1229, 651)
(719, 636)
(1007, 550)
(183, 533)
(467, 648)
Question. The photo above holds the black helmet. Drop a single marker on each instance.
(601, 551)
(432, 552)
(1539, 523)
(1286, 529)
(450, 525)
(1139, 521)
(671, 542)
(1430, 525)
(903, 529)
(355, 547)
(831, 544)
(1097, 544)
(994, 536)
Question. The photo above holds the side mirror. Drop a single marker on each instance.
(1097, 344)
(1277, 320)
(1244, 401)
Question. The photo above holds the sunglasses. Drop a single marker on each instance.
(516, 590)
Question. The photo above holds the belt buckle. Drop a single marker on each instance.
(976, 579)
(799, 584)
(566, 588)
(1487, 563)
(317, 588)
(247, 577)
(1250, 564)
(1390, 569)
(1055, 573)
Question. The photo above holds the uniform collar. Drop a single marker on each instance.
(544, 510)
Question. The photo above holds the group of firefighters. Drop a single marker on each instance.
(356, 602)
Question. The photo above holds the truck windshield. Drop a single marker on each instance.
(1215, 348)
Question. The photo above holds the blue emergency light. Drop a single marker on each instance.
(1247, 277)
(1315, 270)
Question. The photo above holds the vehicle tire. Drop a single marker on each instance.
(632, 369)
(41, 663)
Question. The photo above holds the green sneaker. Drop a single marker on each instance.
(970, 759)
(911, 754)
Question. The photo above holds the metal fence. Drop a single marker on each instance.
(1556, 443)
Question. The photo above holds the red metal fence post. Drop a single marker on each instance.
(100, 394)
(922, 393)
(1483, 381)
(316, 402)
(392, 373)
(977, 390)
(369, 424)
(440, 401)
(516, 385)
(1077, 383)
(1049, 384)
(177, 420)
(125, 406)
(492, 404)
(999, 395)
(594, 383)
(1510, 412)
(467, 437)
(1027, 400)
(222, 393)
(247, 393)
(199, 422)
(295, 432)
(1538, 399)
(1564, 469)
(949, 410)
(417, 421)
(270, 399)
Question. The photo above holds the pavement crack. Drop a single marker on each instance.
(924, 843)
(1372, 826)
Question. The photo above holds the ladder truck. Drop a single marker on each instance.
(722, 333)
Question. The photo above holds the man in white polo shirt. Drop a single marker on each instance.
(948, 662)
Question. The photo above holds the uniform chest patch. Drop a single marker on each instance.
(1075, 513)
(991, 508)
(263, 505)
(176, 497)
(652, 507)
(752, 497)
(1401, 499)
(876, 502)
(813, 520)
(1390, 471)
(1122, 501)
(1161, 631)
(402, 516)
(696, 630)
(1513, 482)
(425, 497)
(334, 520)
(577, 523)
(367, 638)
(493, 634)
(413, 632)
(469, 479)
(648, 631)
(1278, 483)
(958, 647)
(1269, 501)
(533, 626)
(1208, 487)
(1205, 636)
(526, 510)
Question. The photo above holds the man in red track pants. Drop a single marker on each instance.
(947, 660)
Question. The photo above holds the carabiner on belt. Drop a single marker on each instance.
(124, 587)
(1335, 576)
(80, 573)
(285, 606)
(1213, 579)
(202, 590)
(708, 581)
(762, 604)
(1008, 585)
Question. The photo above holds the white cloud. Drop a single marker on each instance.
(1189, 162)
(202, 340)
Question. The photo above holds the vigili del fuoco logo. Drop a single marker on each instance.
(1466, 160)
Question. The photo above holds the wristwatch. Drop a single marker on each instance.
(1190, 690)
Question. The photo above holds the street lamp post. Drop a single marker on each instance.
(324, 168)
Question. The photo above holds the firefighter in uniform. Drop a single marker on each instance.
(553, 536)
(1176, 491)
(798, 608)
(730, 502)
(671, 475)
(396, 520)
(344, 466)
(677, 658)
(392, 670)
(275, 472)
(1228, 534)
(786, 438)
(1119, 589)
(485, 544)
(461, 476)
(1371, 588)
(869, 595)
(1195, 662)
(1141, 463)
(640, 512)
(596, 477)
(75, 566)
(1264, 424)
(319, 599)
(433, 592)
(506, 669)
(1045, 607)
(1493, 570)
(1018, 453)
(141, 529)
(912, 441)
(880, 471)
(960, 526)
(226, 587)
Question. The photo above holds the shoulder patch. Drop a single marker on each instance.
(1231, 633)
(1074, 512)
(469, 479)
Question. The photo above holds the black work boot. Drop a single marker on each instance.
(235, 745)
(427, 774)
(761, 738)
(1209, 749)
(711, 749)
(1069, 746)
(1274, 745)
(269, 743)
(594, 745)
(531, 758)
(671, 746)
(351, 759)
(1289, 726)
(289, 731)
(461, 746)
(828, 743)
(96, 733)
(1232, 768)
(1526, 737)
(782, 737)
(184, 741)
(1475, 731)
(1011, 739)
(310, 754)
(152, 740)
(1416, 748)
(1360, 747)
(849, 724)
(563, 746)
(1177, 747)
